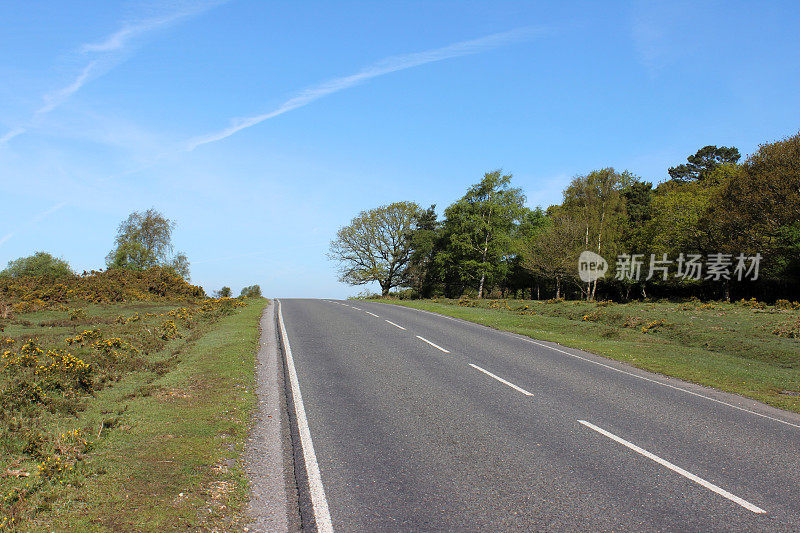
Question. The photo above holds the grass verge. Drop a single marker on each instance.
(746, 348)
(155, 446)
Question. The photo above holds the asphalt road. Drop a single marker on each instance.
(424, 423)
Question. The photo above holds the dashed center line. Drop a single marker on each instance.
(501, 380)
(373, 314)
(356, 308)
(395, 325)
(663, 462)
(432, 344)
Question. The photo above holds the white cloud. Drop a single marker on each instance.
(122, 37)
(108, 51)
(386, 66)
(56, 98)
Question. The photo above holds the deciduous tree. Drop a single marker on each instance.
(375, 246)
(553, 251)
(144, 240)
(479, 228)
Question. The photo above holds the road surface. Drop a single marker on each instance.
(417, 422)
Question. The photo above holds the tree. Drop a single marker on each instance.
(702, 163)
(758, 205)
(39, 264)
(425, 239)
(553, 251)
(596, 201)
(224, 292)
(180, 265)
(253, 291)
(532, 222)
(144, 240)
(479, 229)
(375, 246)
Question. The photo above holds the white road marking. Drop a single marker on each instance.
(527, 339)
(664, 384)
(663, 462)
(356, 308)
(432, 344)
(501, 380)
(395, 325)
(373, 314)
(319, 502)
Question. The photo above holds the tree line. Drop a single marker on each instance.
(143, 242)
(716, 228)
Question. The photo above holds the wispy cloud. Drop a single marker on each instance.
(121, 38)
(107, 54)
(36, 219)
(386, 66)
(56, 98)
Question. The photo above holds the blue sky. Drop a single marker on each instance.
(262, 127)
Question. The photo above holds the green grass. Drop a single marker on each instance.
(165, 436)
(728, 346)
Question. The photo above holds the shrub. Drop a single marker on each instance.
(653, 326)
(752, 303)
(253, 291)
(40, 264)
(26, 294)
(224, 292)
(790, 329)
(786, 304)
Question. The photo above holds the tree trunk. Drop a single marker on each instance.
(558, 288)
(480, 288)
(485, 251)
(538, 297)
(726, 291)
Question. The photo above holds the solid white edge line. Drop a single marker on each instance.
(395, 325)
(528, 339)
(501, 380)
(373, 314)
(432, 344)
(319, 502)
(664, 384)
(663, 462)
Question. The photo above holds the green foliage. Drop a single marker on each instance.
(478, 232)
(224, 292)
(40, 264)
(180, 265)
(143, 241)
(488, 244)
(553, 251)
(758, 206)
(375, 246)
(425, 241)
(252, 291)
(703, 162)
(33, 293)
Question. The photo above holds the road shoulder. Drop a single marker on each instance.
(268, 454)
